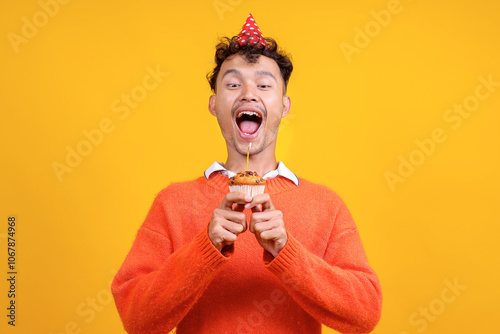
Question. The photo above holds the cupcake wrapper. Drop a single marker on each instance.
(250, 190)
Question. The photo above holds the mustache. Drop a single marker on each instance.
(261, 109)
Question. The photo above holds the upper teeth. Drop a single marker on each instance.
(249, 113)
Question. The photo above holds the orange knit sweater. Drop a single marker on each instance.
(174, 277)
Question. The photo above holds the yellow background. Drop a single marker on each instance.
(350, 123)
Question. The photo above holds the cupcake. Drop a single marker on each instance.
(247, 182)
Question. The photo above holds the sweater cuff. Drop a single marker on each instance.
(286, 257)
(209, 254)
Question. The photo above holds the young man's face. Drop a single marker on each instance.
(249, 103)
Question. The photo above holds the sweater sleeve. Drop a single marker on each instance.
(339, 290)
(155, 287)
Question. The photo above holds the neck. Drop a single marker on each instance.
(261, 162)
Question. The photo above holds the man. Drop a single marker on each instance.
(209, 261)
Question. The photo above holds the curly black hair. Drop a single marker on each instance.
(229, 46)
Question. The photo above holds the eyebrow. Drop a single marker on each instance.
(231, 70)
(238, 72)
(266, 73)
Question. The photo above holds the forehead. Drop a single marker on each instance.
(239, 62)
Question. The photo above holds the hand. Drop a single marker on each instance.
(267, 224)
(228, 222)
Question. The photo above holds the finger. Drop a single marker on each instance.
(276, 235)
(231, 216)
(259, 228)
(265, 217)
(257, 208)
(226, 238)
(234, 228)
(263, 199)
(221, 237)
(225, 233)
(259, 217)
(234, 197)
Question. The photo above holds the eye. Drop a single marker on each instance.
(233, 85)
(264, 86)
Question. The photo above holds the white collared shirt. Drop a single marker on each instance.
(282, 170)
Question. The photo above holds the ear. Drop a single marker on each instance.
(211, 104)
(287, 104)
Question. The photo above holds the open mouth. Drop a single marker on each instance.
(248, 122)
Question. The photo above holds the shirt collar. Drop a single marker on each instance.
(282, 170)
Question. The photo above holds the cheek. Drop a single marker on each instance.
(224, 119)
(274, 110)
(224, 104)
(276, 101)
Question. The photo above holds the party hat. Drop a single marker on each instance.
(250, 34)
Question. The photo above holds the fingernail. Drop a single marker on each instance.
(247, 206)
(248, 198)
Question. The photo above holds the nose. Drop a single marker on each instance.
(248, 94)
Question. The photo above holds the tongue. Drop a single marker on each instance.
(249, 126)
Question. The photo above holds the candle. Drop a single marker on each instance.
(248, 153)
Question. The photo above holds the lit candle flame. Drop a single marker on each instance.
(248, 153)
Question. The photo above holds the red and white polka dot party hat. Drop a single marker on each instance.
(250, 34)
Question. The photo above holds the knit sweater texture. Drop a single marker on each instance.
(173, 276)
